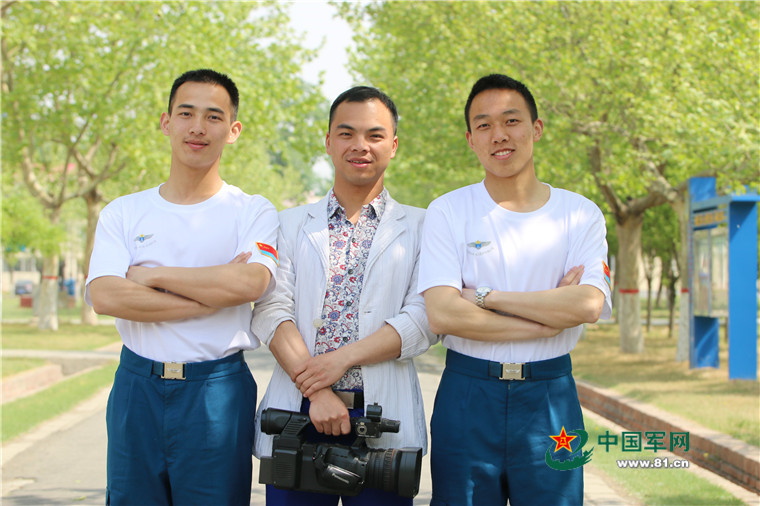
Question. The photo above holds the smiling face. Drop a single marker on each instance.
(503, 134)
(199, 126)
(361, 144)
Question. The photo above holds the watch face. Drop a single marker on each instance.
(480, 296)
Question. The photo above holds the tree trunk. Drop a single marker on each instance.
(649, 303)
(48, 298)
(672, 278)
(660, 286)
(627, 283)
(648, 264)
(681, 209)
(92, 200)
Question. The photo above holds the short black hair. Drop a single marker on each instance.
(364, 94)
(500, 82)
(210, 77)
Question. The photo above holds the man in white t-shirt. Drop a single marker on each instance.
(510, 269)
(178, 266)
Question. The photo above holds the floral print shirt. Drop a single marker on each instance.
(349, 250)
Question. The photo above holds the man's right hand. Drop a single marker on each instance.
(572, 277)
(328, 413)
(130, 300)
(242, 258)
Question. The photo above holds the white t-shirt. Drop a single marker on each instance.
(470, 241)
(145, 229)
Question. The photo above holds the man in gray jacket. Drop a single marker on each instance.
(345, 319)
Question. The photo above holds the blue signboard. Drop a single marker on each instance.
(723, 277)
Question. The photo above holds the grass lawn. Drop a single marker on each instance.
(705, 395)
(13, 311)
(67, 337)
(11, 365)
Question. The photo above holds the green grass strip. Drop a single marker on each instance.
(24, 414)
(12, 311)
(14, 365)
(653, 486)
(67, 337)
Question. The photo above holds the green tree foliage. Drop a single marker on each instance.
(655, 82)
(84, 84)
(23, 222)
(636, 97)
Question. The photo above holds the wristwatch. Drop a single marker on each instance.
(480, 296)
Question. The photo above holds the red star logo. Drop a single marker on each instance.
(563, 440)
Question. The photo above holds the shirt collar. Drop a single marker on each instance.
(374, 208)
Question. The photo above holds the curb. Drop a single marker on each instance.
(724, 455)
(35, 380)
(30, 382)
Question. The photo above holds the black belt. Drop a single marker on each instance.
(479, 368)
(178, 370)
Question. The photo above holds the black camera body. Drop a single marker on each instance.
(333, 468)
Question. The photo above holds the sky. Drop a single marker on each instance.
(315, 19)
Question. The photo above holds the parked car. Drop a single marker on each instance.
(24, 287)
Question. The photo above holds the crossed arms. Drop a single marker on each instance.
(154, 294)
(314, 375)
(514, 316)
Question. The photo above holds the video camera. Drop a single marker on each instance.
(334, 468)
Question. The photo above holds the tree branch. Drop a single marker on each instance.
(6, 5)
(595, 159)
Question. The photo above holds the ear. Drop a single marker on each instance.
(395, 146)
(538, 130)
(235, 130)
(327, 143)
(164, 123)
(468, 135)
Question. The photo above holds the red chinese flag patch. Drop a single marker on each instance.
(607, 274)
(268, 251)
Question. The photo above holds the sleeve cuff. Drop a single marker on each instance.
(264, 327)
(413, 341)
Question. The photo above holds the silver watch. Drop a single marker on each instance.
(480, 296)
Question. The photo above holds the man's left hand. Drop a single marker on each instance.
(319, 372)
(139, 274)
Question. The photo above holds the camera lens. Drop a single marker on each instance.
(395, 470)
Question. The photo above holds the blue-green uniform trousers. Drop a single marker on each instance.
(489, 436)
(185, 441)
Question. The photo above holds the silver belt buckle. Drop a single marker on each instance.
(347, 398)
(174, 371)
(510, 371)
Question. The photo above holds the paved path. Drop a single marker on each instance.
(63, 461)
